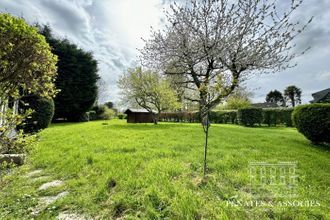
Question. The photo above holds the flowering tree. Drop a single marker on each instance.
(148, 90)
(216, 44)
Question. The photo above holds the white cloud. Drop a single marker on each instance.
(112, 30)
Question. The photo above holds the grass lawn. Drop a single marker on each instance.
(113, 169)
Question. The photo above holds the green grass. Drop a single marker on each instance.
(147, 171)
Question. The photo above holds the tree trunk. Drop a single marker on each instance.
(206, 131)
(155, 118)
(206, 126)
(293, 102)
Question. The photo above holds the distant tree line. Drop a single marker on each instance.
(290, 97)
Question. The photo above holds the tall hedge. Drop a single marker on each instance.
(313, 121)
(223, 116)
(249, 116)
(77, 78)
(43, 111)
(275, 116)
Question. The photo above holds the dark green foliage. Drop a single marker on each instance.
(275, 97)
(43, 111)
(109, 104)
(313, 121)
(271, 117)
(76, 80)
(286, 117)
(223, 117)
(84, 117)
(102, 112)
(92, 115)
(275, 116)
(179, 116)
(249, 116)
(293, 95)
(121, 116)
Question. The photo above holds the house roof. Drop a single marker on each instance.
(136, 111)
(265, 105)
(320, 95)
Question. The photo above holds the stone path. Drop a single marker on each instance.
(54, 183)
(45, 201)
(71, 216)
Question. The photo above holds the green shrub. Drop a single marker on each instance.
(121, 115)
(313, 121)
(179, 116)
(43, 112)
(107, 114)
(92, 115)
(103, 112)
(270, 117)
(84, 117)
(249, 116)
(286, 116)
(275, 116)
(223, 116)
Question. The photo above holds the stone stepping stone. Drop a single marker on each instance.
(71, 216)
(54, 183)
(47, 200)
(33, 173)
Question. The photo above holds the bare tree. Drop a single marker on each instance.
(215, 44)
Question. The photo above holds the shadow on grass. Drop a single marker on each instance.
(320, 146)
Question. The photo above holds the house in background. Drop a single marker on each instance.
(322, 96)
(139, 116)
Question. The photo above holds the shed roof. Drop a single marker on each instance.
(136, 111)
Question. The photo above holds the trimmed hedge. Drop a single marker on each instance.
(249, 116)
(271, 117)
(313, 121)
(224, 117)
(41, 117)
(179, 117)
(275, 116)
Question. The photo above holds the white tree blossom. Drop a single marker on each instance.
(215, 44)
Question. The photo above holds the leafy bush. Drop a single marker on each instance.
(313, 121)
(92, 115)
(43, 111)
(84, 117)
(121, 116)
(249, 116)
(13, 141)
(103, 112)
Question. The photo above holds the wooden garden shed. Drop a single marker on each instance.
(139, 116)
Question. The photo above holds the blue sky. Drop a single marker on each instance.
(113, 29)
